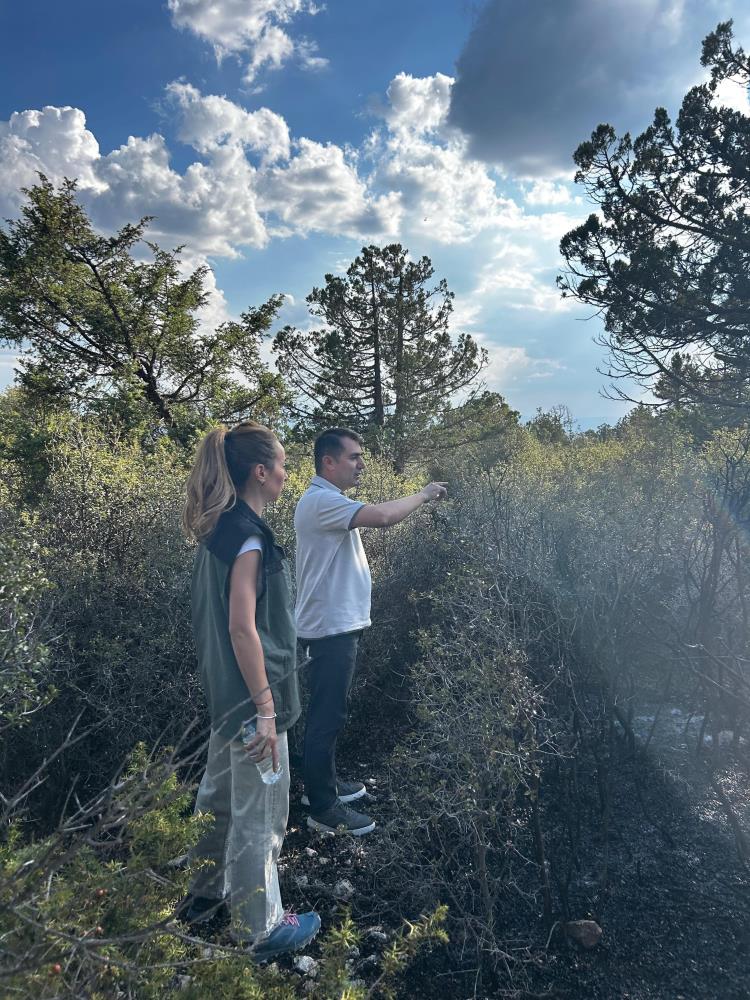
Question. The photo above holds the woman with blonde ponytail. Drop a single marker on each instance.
(243, 622)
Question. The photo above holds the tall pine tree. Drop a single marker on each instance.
(383, 360)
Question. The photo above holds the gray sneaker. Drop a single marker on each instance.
(342, 818)
(348, 791)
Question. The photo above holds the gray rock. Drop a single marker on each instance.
(368, 962)
(587, 933)
(306, 965)
(343, 889)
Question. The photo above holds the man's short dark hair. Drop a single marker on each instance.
(331, 443)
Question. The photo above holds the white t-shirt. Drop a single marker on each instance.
(333, 577)
(253, 544)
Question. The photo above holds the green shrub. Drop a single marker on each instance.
(24, 658)
(87, 912)
(116, 614)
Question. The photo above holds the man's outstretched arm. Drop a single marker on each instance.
(382, 515)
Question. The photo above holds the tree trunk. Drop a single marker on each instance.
(152, 394)
(378, 415)
(399, 429)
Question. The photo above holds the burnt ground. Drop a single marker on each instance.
(675, 910)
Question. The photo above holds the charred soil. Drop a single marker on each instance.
(666, 884)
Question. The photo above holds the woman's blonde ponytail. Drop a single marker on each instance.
(222, 465)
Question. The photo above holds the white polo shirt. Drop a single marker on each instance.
(333, 577)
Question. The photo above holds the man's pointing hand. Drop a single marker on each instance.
(435, 491)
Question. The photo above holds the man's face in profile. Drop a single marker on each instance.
(345, 470)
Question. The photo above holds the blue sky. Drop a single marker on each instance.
(275, 137)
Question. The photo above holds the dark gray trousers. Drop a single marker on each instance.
(329, 674)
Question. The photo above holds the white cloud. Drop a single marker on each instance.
(307, 52)
(418, 104)
(446, 196)
(320, 190)
(215, 310)
(53, 141)
(272, 48)
(733, 93)
(511, 364)
(233, 26)
(517, 281)
(546, 192)
(466, 313)
(207, 122)
(414, 179)
(450, 197)
(212, 206)
(249, 182)
(251, 29)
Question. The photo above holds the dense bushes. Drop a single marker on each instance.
(88, 910)
(556, 596)
(468, 773)
(115, 611)
(518, 628)
(24, 658)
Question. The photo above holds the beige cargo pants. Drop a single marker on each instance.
(244, 842)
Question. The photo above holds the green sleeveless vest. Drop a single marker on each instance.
(228, 698)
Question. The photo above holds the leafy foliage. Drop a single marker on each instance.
(116, 609)
(24, 657)
(518, 626)
(88, 910)
(100, 325)
(666, 260)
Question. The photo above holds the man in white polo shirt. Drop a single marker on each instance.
(333, 607)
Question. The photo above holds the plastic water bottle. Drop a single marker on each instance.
(265, 767)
